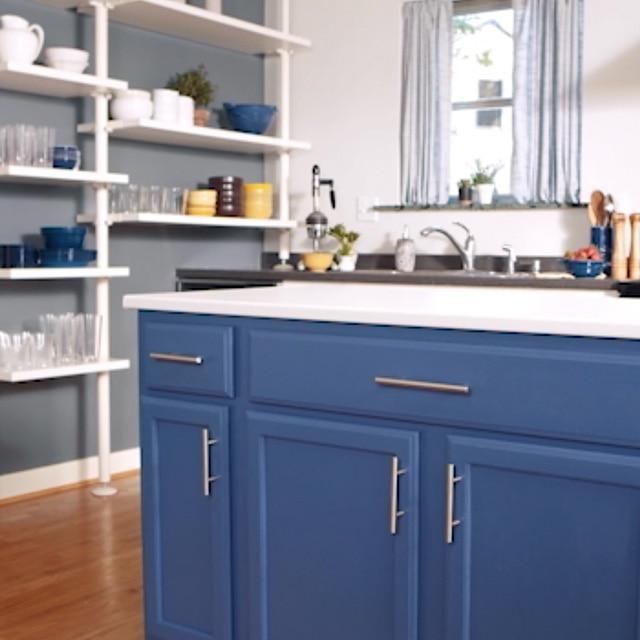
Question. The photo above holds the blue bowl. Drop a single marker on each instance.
(67, 257)
(584, 268)
(249, 118)
(63, 237)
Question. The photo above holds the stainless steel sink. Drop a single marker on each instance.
(461, 273)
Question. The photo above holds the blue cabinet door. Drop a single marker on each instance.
(548, 542)
(185, 509)
(333, 529)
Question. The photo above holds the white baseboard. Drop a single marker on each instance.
(66, 473)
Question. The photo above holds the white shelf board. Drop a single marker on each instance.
(30, 78)
(25, 375)
(199, 25)
(194, 221)
(19, 173)
(157, 132)
(63, 273)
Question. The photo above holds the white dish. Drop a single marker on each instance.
(66, 59)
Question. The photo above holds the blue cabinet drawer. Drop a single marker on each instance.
(531, 384)
(186, 356)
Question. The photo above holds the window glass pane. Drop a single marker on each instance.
(482, 70)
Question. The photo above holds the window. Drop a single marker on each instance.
(482, 70)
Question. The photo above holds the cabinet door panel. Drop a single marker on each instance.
(185, 532)
(324, 562)
(548, 545)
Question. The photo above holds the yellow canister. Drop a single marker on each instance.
(258, 200)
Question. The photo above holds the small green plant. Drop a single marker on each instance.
(484, 173)
(465, 183)
(346, 239)
(196, 84)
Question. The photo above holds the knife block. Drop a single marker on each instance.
(619, 261)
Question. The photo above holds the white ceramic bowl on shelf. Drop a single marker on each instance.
(66, 59)
(131, 104)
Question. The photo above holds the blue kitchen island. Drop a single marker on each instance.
(382, 462)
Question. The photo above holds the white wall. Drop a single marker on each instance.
(346, 101)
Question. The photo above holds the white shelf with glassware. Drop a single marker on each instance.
(192, 221)
(44, 175)
(79, 369)
(62, 273)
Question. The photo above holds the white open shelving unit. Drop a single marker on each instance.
(178, 20)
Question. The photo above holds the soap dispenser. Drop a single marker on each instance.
(405, 252)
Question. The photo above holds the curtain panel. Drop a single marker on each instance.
(547, 100)
(426, 101)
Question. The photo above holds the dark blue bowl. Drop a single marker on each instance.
(249, 118)
(18, 255)
(67, 257)
(63, 237)
(584, 268)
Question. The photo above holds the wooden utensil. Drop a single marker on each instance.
(597, 203)
(634, 251)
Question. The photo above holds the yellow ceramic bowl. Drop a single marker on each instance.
(200, 211)
(202, 197)
(317, 260)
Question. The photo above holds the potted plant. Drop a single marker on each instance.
(465, 191)
(482, 177)
(196, 84)
(345, 255)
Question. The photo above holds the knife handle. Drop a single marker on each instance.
(634, 252)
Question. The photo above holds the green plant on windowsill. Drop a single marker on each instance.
(484, 173)
(346, 239)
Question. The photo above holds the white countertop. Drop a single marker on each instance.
(552, 311)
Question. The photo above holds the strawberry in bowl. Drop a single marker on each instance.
(585, 262)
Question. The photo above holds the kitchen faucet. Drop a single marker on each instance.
(467, 253)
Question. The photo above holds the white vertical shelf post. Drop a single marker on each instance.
(284, 157)
(103, 382)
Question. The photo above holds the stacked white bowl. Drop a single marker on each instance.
(66, 59)
(131, 104)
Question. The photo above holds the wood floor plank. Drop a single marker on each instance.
(70, 566)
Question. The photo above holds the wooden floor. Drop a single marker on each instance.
(70, 566)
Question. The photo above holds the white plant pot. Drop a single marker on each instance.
(485, 193)
(348, 262)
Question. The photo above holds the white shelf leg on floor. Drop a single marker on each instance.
(103, 383)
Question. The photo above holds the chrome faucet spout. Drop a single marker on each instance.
(466, 252)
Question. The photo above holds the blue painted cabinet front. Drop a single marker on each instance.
(387, 483)
(333, 535)
(547, 545)
(185, 502)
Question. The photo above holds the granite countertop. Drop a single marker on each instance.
(598, 313)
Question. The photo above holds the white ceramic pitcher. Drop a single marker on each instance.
(19, 41)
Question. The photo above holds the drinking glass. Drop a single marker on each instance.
(154, 198)
(44, 141)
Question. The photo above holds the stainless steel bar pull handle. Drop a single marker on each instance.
(423, 385)
(174, 357)
(452, 480)
(394, 513)
(207, 478)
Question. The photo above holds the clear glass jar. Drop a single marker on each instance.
(258, 200)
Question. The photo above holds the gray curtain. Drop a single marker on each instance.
(426, 101)
(547, 100)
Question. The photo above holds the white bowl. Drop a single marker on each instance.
(66, 59)
(132, 104)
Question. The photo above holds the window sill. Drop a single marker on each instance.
(454, 206)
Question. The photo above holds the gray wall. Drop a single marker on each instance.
(48, 422)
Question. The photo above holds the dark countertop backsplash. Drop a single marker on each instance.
(379, 268)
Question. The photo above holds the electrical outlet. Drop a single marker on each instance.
(365, 206)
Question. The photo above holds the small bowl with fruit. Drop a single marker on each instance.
(585, 262)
